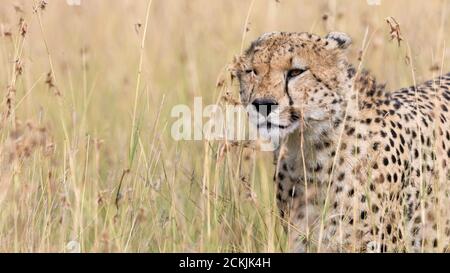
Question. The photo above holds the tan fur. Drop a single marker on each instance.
(384, 155)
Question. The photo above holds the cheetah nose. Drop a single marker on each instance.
(264, 105)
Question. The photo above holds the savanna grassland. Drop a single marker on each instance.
(87, 160)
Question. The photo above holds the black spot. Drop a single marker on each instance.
(351, 192)
(375, 146)
(375, 208)
(355, 150)
(391, 141)
(318, 168)
(394, 159)
(363, 215)
(292, 192)
(388, 229)
(350, 131)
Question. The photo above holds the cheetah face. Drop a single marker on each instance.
(289, 79)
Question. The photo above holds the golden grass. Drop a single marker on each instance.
(85, 148)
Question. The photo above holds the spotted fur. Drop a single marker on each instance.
(381, 157)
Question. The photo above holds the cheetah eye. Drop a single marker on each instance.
(295, 72)
(250, 71)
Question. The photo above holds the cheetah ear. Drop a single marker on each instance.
(338, 40)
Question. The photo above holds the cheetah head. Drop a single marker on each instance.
(289, 79)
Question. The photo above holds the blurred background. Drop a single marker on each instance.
(87, 159)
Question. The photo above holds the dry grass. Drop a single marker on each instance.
(85, 148)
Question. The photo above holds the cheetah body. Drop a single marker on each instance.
(359, 168)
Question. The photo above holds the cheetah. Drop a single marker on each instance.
(359, 168)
